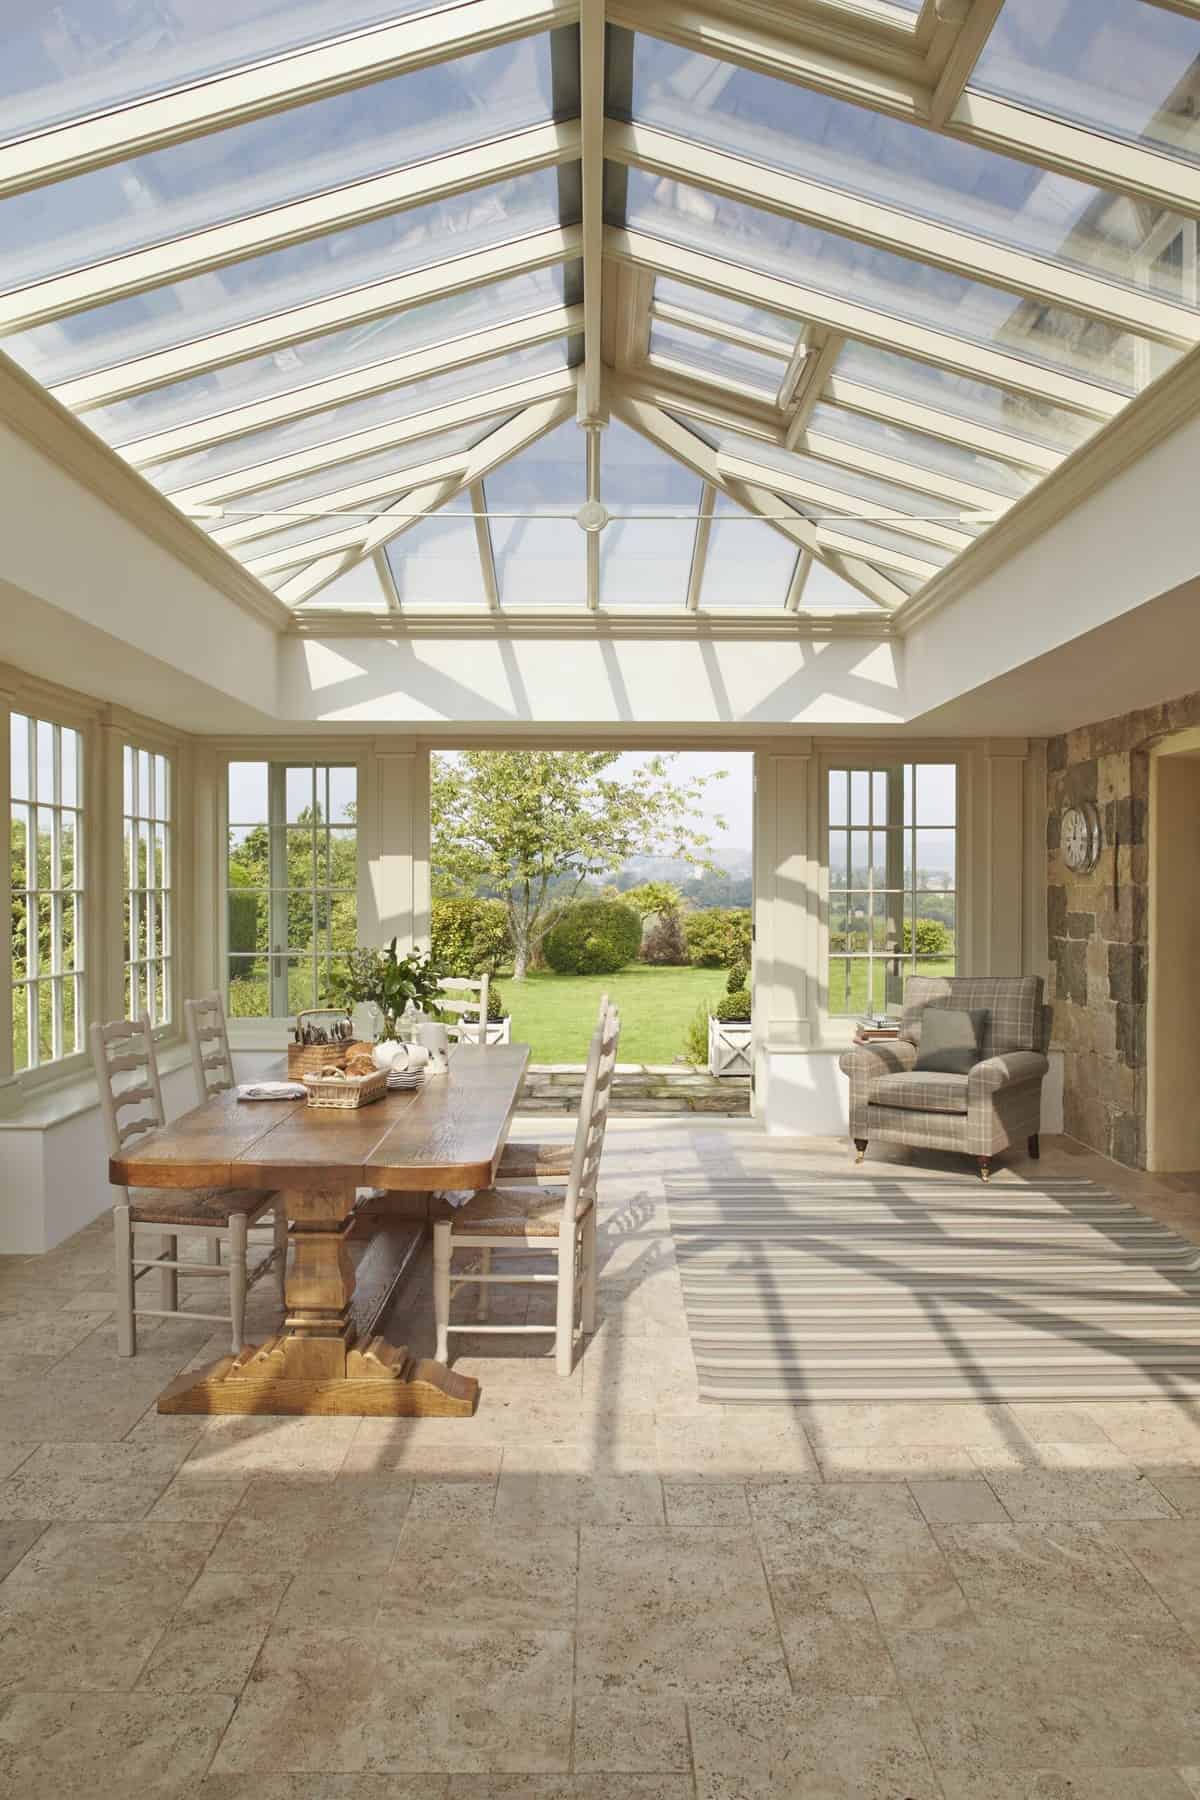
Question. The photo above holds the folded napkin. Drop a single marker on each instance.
(273, 1090)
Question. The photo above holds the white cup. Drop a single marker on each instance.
(391, 1056)
(435, 1040)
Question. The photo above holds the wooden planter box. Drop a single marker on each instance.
(729, 1051)
(499, 1031)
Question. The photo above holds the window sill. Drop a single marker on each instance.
(37, 1109)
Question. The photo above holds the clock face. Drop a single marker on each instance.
(1080, 838)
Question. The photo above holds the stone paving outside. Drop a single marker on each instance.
(596, 1589)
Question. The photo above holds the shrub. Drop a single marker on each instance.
(695, 1038)
(470, 936)
(593, 937)
(718, 937)
(732, 1009)
(739, 978)
(933, 938)
(495, 1003)
(665, 942)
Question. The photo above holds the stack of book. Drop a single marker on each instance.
(877, 1025)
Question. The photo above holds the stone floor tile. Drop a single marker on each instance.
(1079, 1784)
(51, 1333)
(12, 1455)
(210, 1645)
(666, 1611)
(894, 1462)
(451, 1575)
(615, 1735)
(1183, 1491)
(209, 1499)
(282, 1525)
(1060, 1574)
(68, 1406)
(832, 1746)
(15, 1539)
(114, 1482)
(322, 1787)
(1168, 1554)
(421, 1455)
(1008, 1694)
(1042, 1496)
(902, 1423)
(720, 1503)
(830, 1632)
(534, 1500)
(726, 1443)
(453, 1501)
(1163, 1432)
(1044, 1423)
(292, 1449)
(570, 1787)
(958, 1502)
(404, 1701)
(75, 1746)
(86, 1605)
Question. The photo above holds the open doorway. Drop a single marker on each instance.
(569, 873)
(1173, 1017)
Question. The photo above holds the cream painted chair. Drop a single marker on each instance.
(557, 1222)
(523, 1161)
(123, 1053)
(467, 999)
(212, 1064)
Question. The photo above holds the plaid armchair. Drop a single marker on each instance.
(982, 1113)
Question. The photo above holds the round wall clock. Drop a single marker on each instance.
(1081, 837)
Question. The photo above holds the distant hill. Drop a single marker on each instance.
(730, 884)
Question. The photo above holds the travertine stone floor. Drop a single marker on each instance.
(597, 1589)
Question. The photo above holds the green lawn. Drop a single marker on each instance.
(556, 1014)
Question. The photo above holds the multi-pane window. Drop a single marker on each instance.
(46, 864)
(292, 884)
(891, 835)
(149, 937)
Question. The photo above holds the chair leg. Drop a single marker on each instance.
(485, 1293)
(1035, 1146)
(564, 1321)
(985, 1168)
(168, 1280)
(123, 1247)
(281, 1253)
(587, 1306)
(213, 1252)
(860, 1146)
(237, 1279)
(442, 1248)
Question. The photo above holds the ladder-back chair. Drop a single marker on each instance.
(558, 1222)
(522, 1160)
(467, 999)
(127, 1076)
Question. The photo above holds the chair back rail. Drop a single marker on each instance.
(208, 1040)
(593, 1112)
(467, 997)
(123, 1047)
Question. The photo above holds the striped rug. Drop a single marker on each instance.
(877, 1287)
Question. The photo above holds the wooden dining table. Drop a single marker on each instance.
(346, 1256)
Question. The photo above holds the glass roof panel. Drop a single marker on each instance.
(1122, 67)
(727, 229)
(541, 557)
(76, 57)
(306, 488)
(358, 415)
(920, 448)
(227, 175)
(436, 563)
(716, 360)
(720, 310)
(980, 402)
(749, 564)
(868, 534)
(827, 591)
(318, 359)
(856, 486)
(339, 262)
(645, 560)
(895, 162)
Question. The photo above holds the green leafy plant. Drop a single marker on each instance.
(470, 936)
(593, 937)
(495, 1003)
(717, 938)
(739, 978)
(385, 979)
(732, 1009)
(933, 937)
(664, 942)
(695, 1038)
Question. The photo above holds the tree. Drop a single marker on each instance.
(653, 898)
(531, 827)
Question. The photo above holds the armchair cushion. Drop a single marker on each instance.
(920, 1090)
(1009, 1070)
(950, 1039)
(886, 1056)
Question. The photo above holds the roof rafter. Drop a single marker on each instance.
(887, 331)
(384, 488)
(591, 129)
(402, 190)
(377, 378)
(280, 82)
(824, 348)
(963, 50)
(893, 409)
(802, 485)
(760, 37)
(277, 331)
(901, 233)
(892, 468)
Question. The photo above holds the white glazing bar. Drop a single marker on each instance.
(591, 87)
(966, 47)
(483, 544)
(895, 410)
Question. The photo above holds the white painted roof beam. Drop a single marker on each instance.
(803, 486)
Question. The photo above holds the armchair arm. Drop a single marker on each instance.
(1009, 1070)
(884, 1056)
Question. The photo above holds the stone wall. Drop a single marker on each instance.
(1097, 926)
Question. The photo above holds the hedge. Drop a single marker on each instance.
(593, 937)
(718, 937)
(933, 939)
(470, 936)
(732, 1009)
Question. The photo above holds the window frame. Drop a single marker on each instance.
(837, 1028)
(135, 745)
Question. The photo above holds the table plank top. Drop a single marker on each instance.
(447, 1133)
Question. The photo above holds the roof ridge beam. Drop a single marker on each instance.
(376, 378)
(295, 222)
(871, 326)
(356, 306)
(591, 128)
(475, 409)
(760, 37)
(280, 82)
(900, 233)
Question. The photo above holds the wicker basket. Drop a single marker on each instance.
(331, 1087)
(310, 1059)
